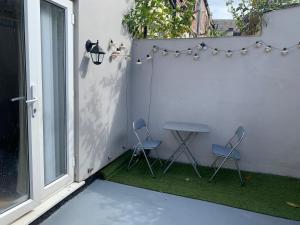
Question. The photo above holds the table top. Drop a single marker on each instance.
(187, 127)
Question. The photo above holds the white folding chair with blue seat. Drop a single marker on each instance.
(229, 151)
(145, 145)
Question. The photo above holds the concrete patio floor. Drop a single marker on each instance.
(107, 203)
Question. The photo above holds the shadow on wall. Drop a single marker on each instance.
(103, 119)
(84, 65)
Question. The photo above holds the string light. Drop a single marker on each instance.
(177, 53)
(268, 49)
(196, 56)
(154, 48)
(111, 44)
(189, 51)
(229, 53)
(284, 51)
(215, 51)
(118, 51)
(139, 62)
(122, 46)
(258, 44)
(199, 46)
(148, 57)
(244, 51)
(203, 46)
(164, 52)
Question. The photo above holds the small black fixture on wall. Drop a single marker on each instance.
(97, 53)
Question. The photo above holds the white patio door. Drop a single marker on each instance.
(36, 98)
(55, 93)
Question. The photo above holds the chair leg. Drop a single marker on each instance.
(160, 162)
(239, 172)
(130, 161)
(149, 165)
(214, 162)
(217, 170)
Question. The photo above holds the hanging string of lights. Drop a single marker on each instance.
(195, 51)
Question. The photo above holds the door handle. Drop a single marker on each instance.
(30, 102)
(17, 98)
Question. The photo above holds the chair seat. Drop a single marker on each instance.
(151, 144)
(221, 151)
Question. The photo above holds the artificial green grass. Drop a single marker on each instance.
(263, 193)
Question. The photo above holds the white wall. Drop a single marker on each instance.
(100, 91)
(259, 91)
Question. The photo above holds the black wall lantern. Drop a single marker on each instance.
(97, 54)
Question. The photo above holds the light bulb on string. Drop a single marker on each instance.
(118, 51)
(268, 49)
(229, 53)
(215, 51)
(122, 46)
(244, 51)
(196, 56)
(199, 46)
(284, 51)
(154, 48)
(164, 52)
(177, 53)
(111, 44)
(202, 46)
(189, 51)
(258, 44)
(148, 57)
(139, 62)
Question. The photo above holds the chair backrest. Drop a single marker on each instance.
(141, 130)
(237, 139)
(139, 124)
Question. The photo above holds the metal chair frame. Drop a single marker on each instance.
(240, 134)
(138, 125)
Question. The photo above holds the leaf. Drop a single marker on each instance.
(294, 205)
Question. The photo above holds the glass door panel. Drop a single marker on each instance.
(14, 156)
(54, 91)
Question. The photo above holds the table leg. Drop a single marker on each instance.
(179, 146)
(174, 153)
(188, 153)
(174, 159)
(194, 164)
(183, 147)
(184, 142)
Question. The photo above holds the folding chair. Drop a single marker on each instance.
(230, 151)
(145, 143)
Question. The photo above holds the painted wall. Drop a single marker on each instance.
(259, 91)
(100, 91)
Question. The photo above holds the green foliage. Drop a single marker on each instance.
(158, 19)
(215, 33)
(248, 13)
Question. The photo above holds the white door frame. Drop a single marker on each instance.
(38, 193)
